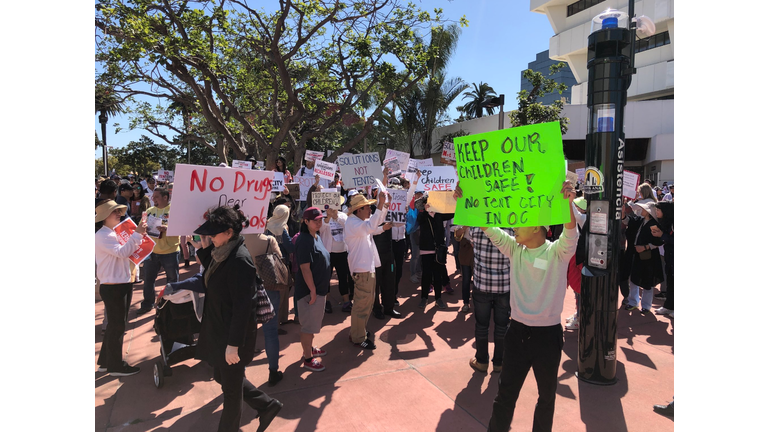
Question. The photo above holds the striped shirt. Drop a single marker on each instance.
(492, 270)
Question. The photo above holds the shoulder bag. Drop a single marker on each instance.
(272, 270)
(264, 309)
(441, 250)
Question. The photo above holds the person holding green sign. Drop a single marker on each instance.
(535, 335)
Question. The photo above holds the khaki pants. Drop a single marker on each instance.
(365, 284)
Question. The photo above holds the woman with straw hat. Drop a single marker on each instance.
(113, 268)
(647, 269)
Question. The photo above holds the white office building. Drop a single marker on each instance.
(649, 114)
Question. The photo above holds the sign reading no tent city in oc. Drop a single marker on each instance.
(512, 177)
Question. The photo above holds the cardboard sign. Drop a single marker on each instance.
(438, 178)
(295, 190)
(417, 164)
(278, 182)
(512, 177)
(242, 164)
(124, 230)
(448, 156)
(630, 184)
(402, 157)
(360, 170)
(324, 169)
(398, 208)
(164, 176)
(442, 202)
(200, 188)
(326, 200)
(394, 166)
(311, 155)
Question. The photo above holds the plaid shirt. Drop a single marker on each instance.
(491, 272)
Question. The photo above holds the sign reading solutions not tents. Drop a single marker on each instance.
(360, 170)
(512, 177)
(200, 188)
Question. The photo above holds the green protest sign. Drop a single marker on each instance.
(512, 177)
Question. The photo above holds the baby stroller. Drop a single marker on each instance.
(177, 321)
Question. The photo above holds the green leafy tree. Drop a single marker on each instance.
(530, 111)
(144, 156)
(474, 108)
(264, 82)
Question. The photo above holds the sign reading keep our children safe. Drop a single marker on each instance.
(512, 177)
(200, 188)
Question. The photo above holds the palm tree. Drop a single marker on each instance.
(474, 108)
(107, 105)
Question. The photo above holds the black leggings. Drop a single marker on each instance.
(117, 301)
(432, 273)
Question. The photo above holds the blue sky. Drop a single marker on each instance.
(502, 38)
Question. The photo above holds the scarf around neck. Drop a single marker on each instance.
(219, 254)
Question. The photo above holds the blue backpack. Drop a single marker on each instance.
(411, 224)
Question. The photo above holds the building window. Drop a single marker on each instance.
(654, 41)
(581, 5)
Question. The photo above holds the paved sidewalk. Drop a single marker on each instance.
(418, 378)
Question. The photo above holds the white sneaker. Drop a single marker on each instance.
(572, 325)
(571, 318)
(662, 311)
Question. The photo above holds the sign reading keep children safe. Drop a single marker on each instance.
(512, 177)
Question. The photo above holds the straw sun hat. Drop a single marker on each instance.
(358, 201)
(106, 208)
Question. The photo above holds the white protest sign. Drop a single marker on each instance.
(305, 182)
(260, 164)
(200, 188)
(417, 164)
(630, 183)
(398, 207)
(326, 200)
(359, 170)
(394, 166)
(278, 182)
(449, 155)
(580, 172)
(242, 164)
(164, 176)
(311, 155)
(402, 157)
(324, 169)
(438, 178)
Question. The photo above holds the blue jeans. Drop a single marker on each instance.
(634, 296)
(271, 342)
(466, 282)
(484, 304)
(169, 262)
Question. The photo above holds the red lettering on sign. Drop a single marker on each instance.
(196, 179)
(262, 188)
(221, 184)
(259, 221)
(239, 177)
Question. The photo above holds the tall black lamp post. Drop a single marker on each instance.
(610, 53)
(103, 121)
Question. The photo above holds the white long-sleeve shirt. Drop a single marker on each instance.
(358, 235)
(327, 231)
(112, 263)
(539, 276)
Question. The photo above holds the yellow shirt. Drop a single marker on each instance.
(167, 244)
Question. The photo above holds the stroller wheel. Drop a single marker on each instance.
(157, 373)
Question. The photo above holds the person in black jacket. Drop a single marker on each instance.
(386, 273)
(228, 329)
(665, 231)
(432, 235)
(647, 270)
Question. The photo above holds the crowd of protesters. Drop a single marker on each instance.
(508, 277)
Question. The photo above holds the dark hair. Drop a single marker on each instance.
(164, 192)
(231, 217)
(304, 228)
(140, 189)
(108, 187)
(285, 165)
(667, 208)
